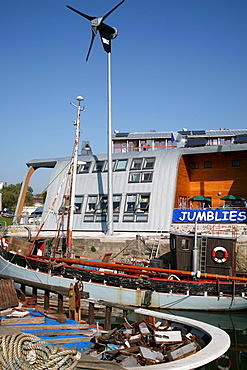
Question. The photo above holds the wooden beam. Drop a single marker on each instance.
(23, 194)
(50, 327)
(108, 312)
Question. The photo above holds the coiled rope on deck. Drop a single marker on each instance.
(26, 351)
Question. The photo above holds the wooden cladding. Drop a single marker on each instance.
(223, 177)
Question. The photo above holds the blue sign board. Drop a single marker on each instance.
(210, 215)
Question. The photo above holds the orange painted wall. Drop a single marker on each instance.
(221, 178)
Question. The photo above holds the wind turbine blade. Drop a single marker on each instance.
(115, 7)
(82, 14)
(91, 43)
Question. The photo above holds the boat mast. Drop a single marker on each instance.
(73, 174)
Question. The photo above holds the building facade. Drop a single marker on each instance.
(150, 180)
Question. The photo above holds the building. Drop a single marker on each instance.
(153, 175)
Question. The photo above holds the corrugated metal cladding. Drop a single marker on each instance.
(8, 296)
(162, 188)
(162, 191)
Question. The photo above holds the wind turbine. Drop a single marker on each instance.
(107, 33)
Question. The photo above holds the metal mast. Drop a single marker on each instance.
(73, 173)
(107, 33)
(109, 230)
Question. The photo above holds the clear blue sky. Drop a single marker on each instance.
(175, 64)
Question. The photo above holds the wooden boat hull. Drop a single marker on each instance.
(124, 289)
(217, 346)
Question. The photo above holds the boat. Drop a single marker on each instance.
(196, 286)
(125, 283)
(142, 343)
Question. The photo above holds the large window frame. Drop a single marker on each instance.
(136, 207)
(143, 170)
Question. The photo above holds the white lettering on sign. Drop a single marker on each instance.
(233, 215)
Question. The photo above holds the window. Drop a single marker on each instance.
(106, 165)
(136, 164)
(99, 166)
(102, 205)
(84, 168)
(100, 218)
(128, 218)
(136, 208)
(89, 218)
(194, 166)
(141, 218)
(134, 176)
(115, 218)
(91, 205)
(173, 243)
(97, 206)
(142, 164)
(146, 144)
(143, 203)
(160, 144)
(120, 147)
(130, 146)
(207, 164)
(78, 203)
(147, 176)
(121, 165)
(185, 244)
(116, 203)
(148, 163)
(235, 163)
(130, 203)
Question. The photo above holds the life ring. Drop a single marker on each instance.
(4, 243)
(229, 363)
(220, 260)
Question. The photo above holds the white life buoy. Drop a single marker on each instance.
(219, 260)
(229, 363)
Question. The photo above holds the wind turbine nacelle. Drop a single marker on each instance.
(109, 32)
(114, 35)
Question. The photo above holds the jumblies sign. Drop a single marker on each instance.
(217, 215)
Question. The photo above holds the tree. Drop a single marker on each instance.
(11, 194)
(44, 194)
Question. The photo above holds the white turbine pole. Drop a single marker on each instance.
(109, 230)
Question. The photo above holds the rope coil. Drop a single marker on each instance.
(27, 352)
